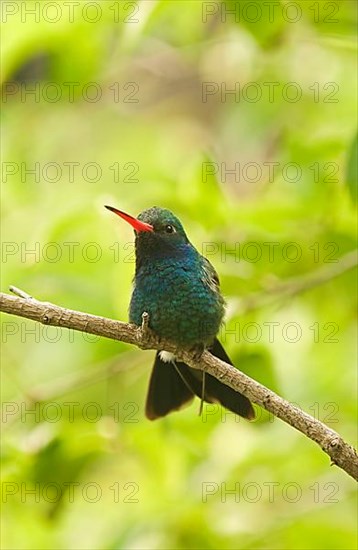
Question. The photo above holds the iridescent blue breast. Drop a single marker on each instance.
(182, 298)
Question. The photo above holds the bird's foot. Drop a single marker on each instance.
(145, 322)
(146, 334)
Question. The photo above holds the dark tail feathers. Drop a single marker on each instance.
(172, 385)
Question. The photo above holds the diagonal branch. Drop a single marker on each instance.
(341, 453)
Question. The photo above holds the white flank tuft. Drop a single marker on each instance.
(167, 356)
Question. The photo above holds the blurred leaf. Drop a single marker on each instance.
(258, 365)
(352, 170)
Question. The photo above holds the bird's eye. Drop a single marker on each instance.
(169, 228)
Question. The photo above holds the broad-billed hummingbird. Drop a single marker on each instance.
(179, 289)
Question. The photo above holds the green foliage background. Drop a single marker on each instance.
(162, 485)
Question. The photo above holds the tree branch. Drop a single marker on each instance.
(341, 453)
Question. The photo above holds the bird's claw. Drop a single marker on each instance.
(146, 334)
(145, 322)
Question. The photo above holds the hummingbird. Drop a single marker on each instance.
(180, 290)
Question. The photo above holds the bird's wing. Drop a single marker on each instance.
(210, 275)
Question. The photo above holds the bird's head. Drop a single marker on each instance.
(157, 232)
